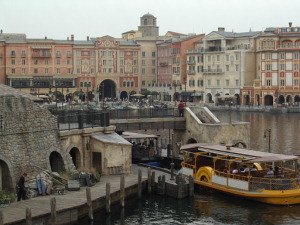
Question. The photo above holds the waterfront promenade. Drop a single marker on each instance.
(73, 204)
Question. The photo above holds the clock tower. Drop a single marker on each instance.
(148, 26)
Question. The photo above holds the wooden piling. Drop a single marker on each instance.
(139, 184)
(153, 181)
(163, 184)
(28, 216)
(191, 186)
(89, 203)
(53, 211)
(122, 191)
(149, 180)
(1, 218)
(107, 197)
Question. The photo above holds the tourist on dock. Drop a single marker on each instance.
(21, 187)
(180, 108)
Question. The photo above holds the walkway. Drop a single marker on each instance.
(40, 206)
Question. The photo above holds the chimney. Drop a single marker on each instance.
(72, 37)
(290, 24)
(221, 29)
(87, 38)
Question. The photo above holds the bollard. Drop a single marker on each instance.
(53, 211)
(149, 180)
(89, 203)
(1, 218)
(28, 216)
(122, 191)
(107, 197)
(140, 184)
(191, 186)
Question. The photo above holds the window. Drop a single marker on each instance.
(218, 83)
(46, 70)
(153, 62)
(35, 70)
(218, 57)
(46, 61)
(296, 66)
(208, 83)
(143, 54)
(236, 67)
(143, 62)
(68, 62)
(282, 83)
(110, 70)
(268, 82)
(92, 53)
(58, 54)
(153, 54)
(236, 83)
(13, 71)
(35, 62)
(13, 53)
(104, 70)
(281, 66)
(227, 83)
(143, 70)
(78, 62)
(268, 56)
(58, 62)
(23, 53)
(135, 70)
(92, 62)
(227, 57)
(209, 58)
(23, 71)
(124, 84)
(268, 66)
(58, 71)
(296, 82)
(23, 61)
(121, 62)
(109, 53)
(121, 70)
(153, 71)
(121, 54)
(69, 71)
(132, 84)
(68, 53)
(236, 57)
(296, 55)
(78, 53)
(135, 54)
(227, 67)
(281, 55)
(104, 54)
(81, 84)
(143, 83)
(135, 62)
(78, 70)
(13, 62)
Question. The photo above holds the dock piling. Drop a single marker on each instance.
(153, 181)
(1, 218)
(53, 211)
(139, 184)
(28, 216)
(89, 203)
(149, 180)
(107, 197)
(122, 191)
(191, 186)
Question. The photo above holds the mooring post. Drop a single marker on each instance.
(28, 217)
(108, 197)
(191, 186)
(153, 181)
(149, 180)
(89, 202)
(172, 171)
(53, 211)
(122, 191)
(1, 218)
(139, 184)
(163, 184)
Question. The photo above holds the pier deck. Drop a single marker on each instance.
(70, 204)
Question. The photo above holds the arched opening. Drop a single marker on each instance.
(269, 100)
(123, 95)
(237, 100)
(56, 162)
(257, 100)
(5, 178)
(281, 99)
(297, 100)
(240, 145)
(75, 155)
(209, 98)
(191, 141)
(247, 99)
(289, 99)
(107, 89)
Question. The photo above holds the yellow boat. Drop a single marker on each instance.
(246, 173)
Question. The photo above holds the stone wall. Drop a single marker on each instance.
(28, 136)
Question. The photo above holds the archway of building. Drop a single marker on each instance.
(208, 98)
(5, 177)
(240, 144)
(108, 89)
(247, 99)
(191, 141)
(75, 155)
(237, 99)
(281, 99)
(289, 99)
(297, 99)
(268, 100)
(56, 162)
(257, 100)
(123, 95)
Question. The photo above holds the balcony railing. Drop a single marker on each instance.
(163, 64)
(214, 49)
(40, 55)
(199, 50)
(191, 72)
(190, 62)
(212, 71)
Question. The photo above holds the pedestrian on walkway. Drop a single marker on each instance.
(21, 187)
(180, 108)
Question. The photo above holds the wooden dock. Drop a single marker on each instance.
(72, 205)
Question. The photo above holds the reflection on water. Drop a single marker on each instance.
(284, 130)
(219, 208)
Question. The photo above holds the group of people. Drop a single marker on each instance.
(244, 169)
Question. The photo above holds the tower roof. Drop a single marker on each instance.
(148, 14)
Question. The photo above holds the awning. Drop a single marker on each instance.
(197, 94)
(186, 93)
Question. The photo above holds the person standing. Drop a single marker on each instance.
(180, 108)
(21, 187)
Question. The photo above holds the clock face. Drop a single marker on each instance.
(107, 43)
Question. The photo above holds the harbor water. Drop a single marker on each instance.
(219, 208)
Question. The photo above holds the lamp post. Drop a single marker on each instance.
(174, 97)
(268, 133)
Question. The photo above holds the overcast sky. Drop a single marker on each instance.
(58, 19)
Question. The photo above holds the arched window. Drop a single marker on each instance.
(145, 22)
(132, 84)
(124, 84)
(128, 84)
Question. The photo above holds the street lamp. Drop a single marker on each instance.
(267, 133)
(174, 97)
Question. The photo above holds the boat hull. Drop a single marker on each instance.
(287, 197)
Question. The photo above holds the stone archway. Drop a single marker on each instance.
(257, 100)
(75, 155)
(237, 100)
(6, 182)
(208, 98)
(123, 95)
(297, 99)
(239, 144)
(268, 100)
(289, 99)
(191, 141)
(281, 99)
(108, 89)
(56, 162)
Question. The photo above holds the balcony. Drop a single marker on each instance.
(212, 71)
(196, 51)
(214, 49)
(13, 55)
(163, 64)
(41, 55)
(190, 62)
(288, 47)
(191, 72)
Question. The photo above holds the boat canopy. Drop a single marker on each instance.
(248, 156)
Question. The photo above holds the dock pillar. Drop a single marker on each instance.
(53, 211)
(161, 186)
(191, 186)
(28, 217)
(107, 197)
(122, 191)
(149, 180)
(153, 181)
(89, 203)
(172, 171)
(139, 184)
